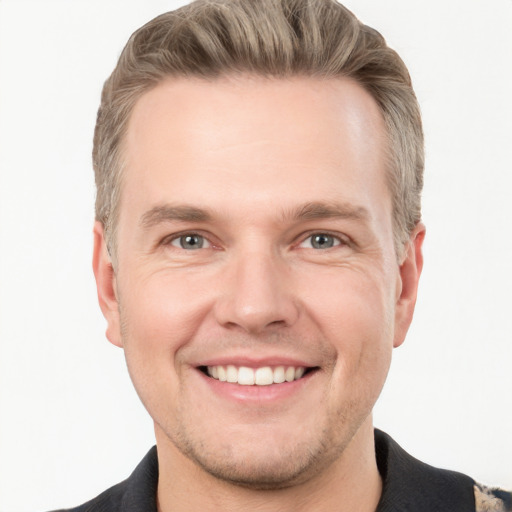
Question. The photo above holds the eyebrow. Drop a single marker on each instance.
(169, 213)
(321, 210)
(304, 212)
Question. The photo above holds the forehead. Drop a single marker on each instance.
(256, 106)
(300, 138)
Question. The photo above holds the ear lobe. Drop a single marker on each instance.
(407, 289)
(106, 285)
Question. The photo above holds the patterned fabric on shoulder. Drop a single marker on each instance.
(492, 500)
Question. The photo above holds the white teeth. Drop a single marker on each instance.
(231, 373)
(263, 376)
(222, 373)
(245, 376)
(299, 372)
(279, 375)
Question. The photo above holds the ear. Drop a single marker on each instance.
(106, 285)
(407, 284)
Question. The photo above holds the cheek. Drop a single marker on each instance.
(156, 320)
(354, 312)
(159, 316)
(352, 305)
(162, 311)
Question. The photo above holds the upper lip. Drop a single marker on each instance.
(255, 362)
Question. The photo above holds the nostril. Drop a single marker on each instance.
(277, 323)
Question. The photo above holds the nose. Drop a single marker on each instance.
(256, 294)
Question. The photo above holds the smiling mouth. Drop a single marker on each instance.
(263, 376)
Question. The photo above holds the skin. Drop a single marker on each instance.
(255, 167)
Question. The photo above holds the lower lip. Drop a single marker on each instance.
(256, 394)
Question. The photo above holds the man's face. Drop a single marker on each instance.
(255, 242)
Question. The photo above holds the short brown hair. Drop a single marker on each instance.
(274, 38)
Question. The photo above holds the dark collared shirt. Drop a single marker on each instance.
(408, 486)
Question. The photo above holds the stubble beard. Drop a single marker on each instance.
(295, 465)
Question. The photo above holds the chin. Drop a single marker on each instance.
(261, 463)
(258, 474)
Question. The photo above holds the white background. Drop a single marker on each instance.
(70, 423)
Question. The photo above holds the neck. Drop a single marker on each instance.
(352, 482)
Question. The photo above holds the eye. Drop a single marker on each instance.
(190, 242)
(321, 241)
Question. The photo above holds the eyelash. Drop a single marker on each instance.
(170, 240)
(337, 240)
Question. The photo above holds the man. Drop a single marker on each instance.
(257, 256)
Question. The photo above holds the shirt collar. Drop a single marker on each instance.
(408, 484)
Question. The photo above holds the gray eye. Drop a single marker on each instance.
(190, 242)
(322, 241)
